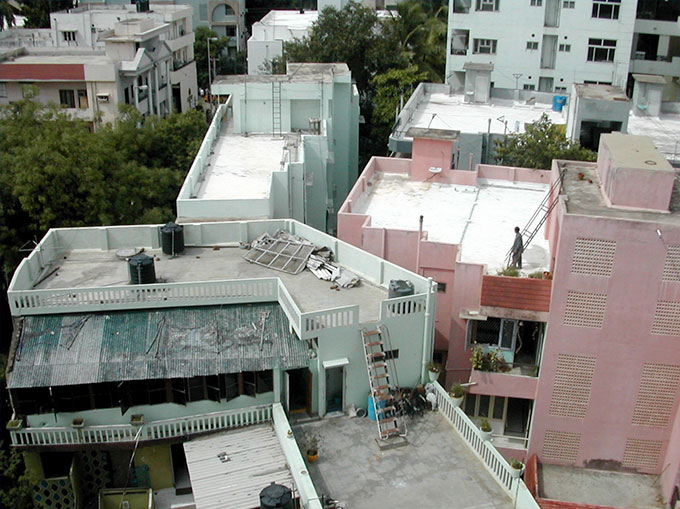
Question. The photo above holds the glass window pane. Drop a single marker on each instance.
(484, 406)
(508, 333)
(498, 406)
(487, 331)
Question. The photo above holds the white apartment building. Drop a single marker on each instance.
(543, 45)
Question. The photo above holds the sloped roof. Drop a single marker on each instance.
(168, 343)
(516, 293)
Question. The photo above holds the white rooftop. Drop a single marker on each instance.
(241, 166)
(294, 20)
(444, 111)
(482, 218)
(664, 131)
(232, 468)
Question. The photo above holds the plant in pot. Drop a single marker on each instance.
(433, 370)
(311, 445)
(517, 467)
(485, 429)
(457, 393)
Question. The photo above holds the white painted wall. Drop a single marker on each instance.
(517, 22)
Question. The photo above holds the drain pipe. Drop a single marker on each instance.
(420, 236)
(428, 329)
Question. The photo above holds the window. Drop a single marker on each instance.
(560, 89)
(230, 31)
(601, 50)
(528, 86)
(606, 9)
(480, 405)
(69, 35)
(3, 89)
(441, 287)
(487, 5)
(28, 90)
(493, 332)
(565, 47)
(568, 4)
(67, 98)
(203, 12)
(487, 46)
(532, 45)
(391, 354)
(82, 99)
(536, 3)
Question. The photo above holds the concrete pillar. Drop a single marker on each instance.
(664, 43)
(157, 99)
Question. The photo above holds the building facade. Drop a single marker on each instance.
(204, 342)
(543, 45)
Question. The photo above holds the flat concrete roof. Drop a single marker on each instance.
(61, 57)
(241, 166)
(295, 19)
(602, 92)
(295, 73)
(433, 134)
(664, 131)
(649, 78)
(637, 152)
(600, 487)
(585, 196)
(482, 218)
(444, 111)
(436, 468)
(84, 268)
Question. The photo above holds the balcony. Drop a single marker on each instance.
(178, 64)
(510, 385)
(128, 433)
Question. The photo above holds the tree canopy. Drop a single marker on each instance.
(37, 12)
(56, 172)
(538, 146)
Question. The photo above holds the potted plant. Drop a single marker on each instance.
(433, 369)
(517, 467)
(78, 423)
(485, 429)
(312, 449)
(15, 424)
(457, 393)
(137, 419)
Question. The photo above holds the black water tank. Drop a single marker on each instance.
(142, 271)
(276, 496)
(400, 288)
(172, 238)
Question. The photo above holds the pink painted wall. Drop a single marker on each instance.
(513, 174)
(671, 476)
(502, 384)
(429, 153)
(621, 347)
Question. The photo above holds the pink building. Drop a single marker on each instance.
(581, 367)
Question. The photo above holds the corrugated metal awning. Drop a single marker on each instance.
(72, 349)
(232, 468)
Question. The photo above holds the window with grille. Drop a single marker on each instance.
(485, 46)
(584, 309)
(568, 4)
(487, 5)
(536, 3)
(560, 89)
(566, 48)
(3, 89)
(69, 35)
(601, 50)
(528, 86)
(656, 395)
(67, 98)
(532, 45)
(561, 445)
(571, 388)
(606, 9)
(593, 257)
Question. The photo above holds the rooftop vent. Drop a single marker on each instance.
(276, 496)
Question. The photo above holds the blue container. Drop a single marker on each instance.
(371, 408)
(558, 102)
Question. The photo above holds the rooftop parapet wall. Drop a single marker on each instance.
(634, 174)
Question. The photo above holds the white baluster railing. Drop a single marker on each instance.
(493, 460)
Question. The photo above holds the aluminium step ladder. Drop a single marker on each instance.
(276, 108)
(539, 217)
(380, 381)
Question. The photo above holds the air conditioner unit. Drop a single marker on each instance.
(103, 98)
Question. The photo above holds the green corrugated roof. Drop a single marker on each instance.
(167, 343)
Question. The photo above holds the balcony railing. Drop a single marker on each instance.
(494, 462)
(128, 433)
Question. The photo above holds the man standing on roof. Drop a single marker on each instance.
(517, 248)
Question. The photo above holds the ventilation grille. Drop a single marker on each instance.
(561, 445)
(658, 386)
(571, 388)
(585, 309)
(666, 318)
(671, 269)
(642, 454)
(593, 257)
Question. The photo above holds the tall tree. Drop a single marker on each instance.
(538, 146)
(7, 12)
(202, 34)
(37, 12)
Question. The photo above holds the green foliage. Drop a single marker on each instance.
(492, 360)
(7, 13)
(538, 146)
(56, 172)
(37, 12)
(201, 35)
(434, 367)
(457, 391)
(390, 87)
(510, 271)
(516, 464)
(485, 425)
(15, 488)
